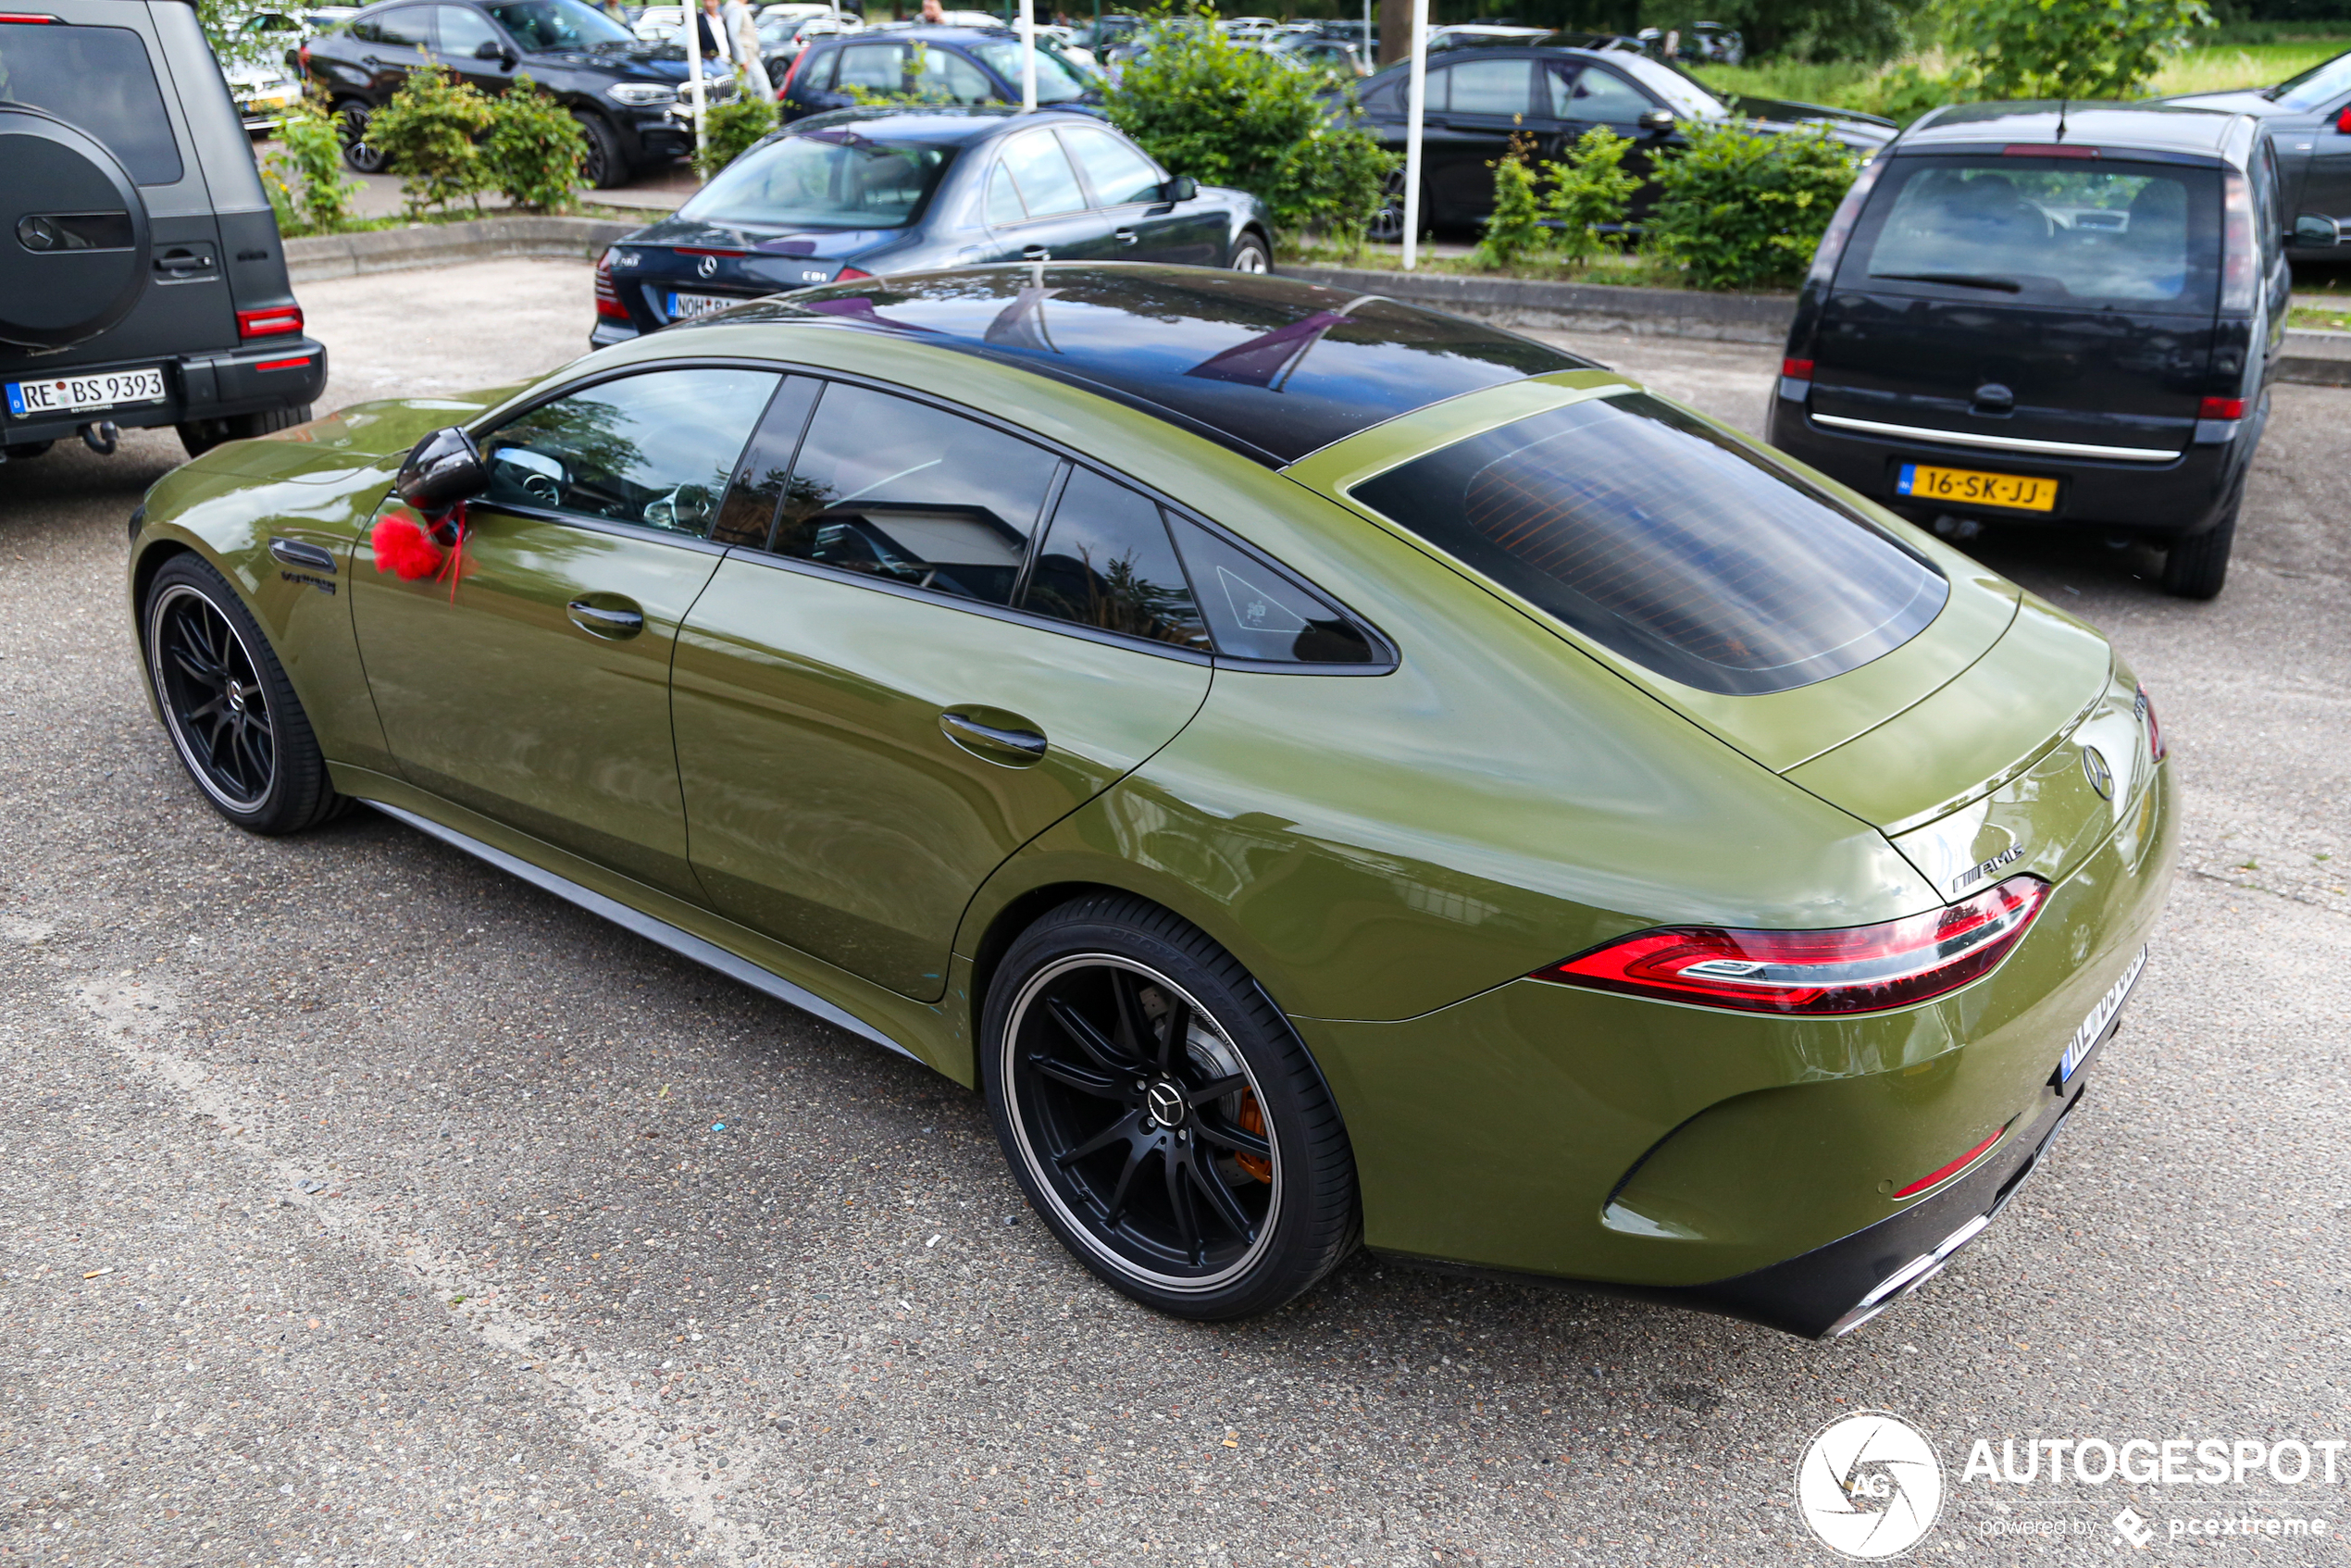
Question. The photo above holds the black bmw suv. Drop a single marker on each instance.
(2055, 315)
(629, 97)
(141, 280)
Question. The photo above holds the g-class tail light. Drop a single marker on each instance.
(270, 322)
(608, 306)
(1814, 974)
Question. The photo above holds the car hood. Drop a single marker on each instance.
(1856, 130)
(639, 62)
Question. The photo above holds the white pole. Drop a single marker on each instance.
(1027, 56)
(1416, 102)
(1369, 56)
(692, 9)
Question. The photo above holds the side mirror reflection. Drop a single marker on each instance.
(440, 471)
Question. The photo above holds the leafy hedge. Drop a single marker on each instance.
(450, 142)
(1739, 210)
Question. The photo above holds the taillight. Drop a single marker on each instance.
(1857, 969)
(1840, 228)
(2156, 750)
(1797, 370)
(608, 304)
(302, 57)
(792, 75)
(2222, 408)
(850, 274)
(2342, 121)
(1956, 1167)
(2240, 257)
(269, 323)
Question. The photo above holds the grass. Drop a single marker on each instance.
(2214, 67)
(1631, 270)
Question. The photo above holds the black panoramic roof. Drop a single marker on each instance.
(2154, 128)
(1269, 367)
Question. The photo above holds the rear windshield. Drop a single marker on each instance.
(2043, 231)
(97, 79)
(832, 178)
(1667, 541)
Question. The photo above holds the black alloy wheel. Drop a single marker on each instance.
(350, 120)
(605, 166)
(234, 721)
(1162, 1117)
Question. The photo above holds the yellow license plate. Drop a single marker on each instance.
(1971, 486)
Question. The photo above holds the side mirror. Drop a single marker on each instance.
(440, 471)
(1658, 122)
(493, 50)
(2312, 229)
(1183, 188)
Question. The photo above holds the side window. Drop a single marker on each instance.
(878, 68)
(462, 33)
(1003, 198)
(748, 515)
(1256, 610)
(1605, 97)
(1488, 87)
(410, 27)
(1107, 562)
(902, 490)
(1384, 100)
(943, 75)
(654, 450)
(1047, 185)
(1119, 173)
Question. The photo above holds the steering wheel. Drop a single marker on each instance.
(686, 509)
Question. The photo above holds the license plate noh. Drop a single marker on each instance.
(78, 394)
(1974, 487)
(2094, 1027)
(685, 307)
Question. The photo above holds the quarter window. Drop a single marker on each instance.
(1256, 610)
(1596, 96)
(1047, 185)
(654, 450)
(1003, 197)
(462, 33)
(1119, 174)
(913, 494)
(97, 80)
(1488, 87)
(1107, 562)
(878, 68)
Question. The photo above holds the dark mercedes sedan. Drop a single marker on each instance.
(2062, 317)
(862, 192)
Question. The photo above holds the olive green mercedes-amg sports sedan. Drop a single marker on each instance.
(1327, 771)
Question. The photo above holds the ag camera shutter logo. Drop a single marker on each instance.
(1869, 1485)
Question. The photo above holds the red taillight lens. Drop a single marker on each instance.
(2222, 408)
(302, 59)
(2047, 150)
(1954, 1168)
(851, 274)
(283, 364)
(608, 304)
(1800, 369)
(1857, 969)
(2156, 750)
(2342, 121)
(269, 323)
(797, 61)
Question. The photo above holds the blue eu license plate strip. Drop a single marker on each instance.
(2094, 1027)
(1908, 477)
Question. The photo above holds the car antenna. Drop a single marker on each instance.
(2062, 103)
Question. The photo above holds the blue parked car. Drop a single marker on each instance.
(937, 65)
(862, 192)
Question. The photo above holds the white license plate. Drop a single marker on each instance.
(2101, 1016)
(78, 394)
(685, 307)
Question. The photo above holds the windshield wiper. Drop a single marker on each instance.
(1963, 279)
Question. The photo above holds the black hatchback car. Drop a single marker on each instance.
(2055, 315)
(141, 280)
(861, 192)
(629, 97)
(937, 65)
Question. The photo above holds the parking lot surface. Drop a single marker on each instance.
(365, 1205)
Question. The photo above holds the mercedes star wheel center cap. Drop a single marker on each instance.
(1165, 1102)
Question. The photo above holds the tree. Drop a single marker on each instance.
(2076, 48)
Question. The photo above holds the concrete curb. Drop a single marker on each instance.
(441, 245)
(2316, 358)
(1575, 308)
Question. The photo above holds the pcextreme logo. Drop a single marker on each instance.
(1869, 1485)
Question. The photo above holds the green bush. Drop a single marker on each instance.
(533, 150)
(731, 130)
(304, 176)
(427, 134)
(1737, 209)
(1516, 226)
(1589, 191)
(1204, 106)
(2075, 48)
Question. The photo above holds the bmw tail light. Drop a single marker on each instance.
(1814, 974)
(269, 323)
(608, 304)
(2156, 750)
(2240, 257)
(850, 274)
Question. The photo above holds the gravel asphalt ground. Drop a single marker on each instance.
(361, 1204)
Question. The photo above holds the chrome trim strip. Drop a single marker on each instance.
(2001, 443)
(653, 929)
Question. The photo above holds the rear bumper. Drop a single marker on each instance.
(289, 373)
(2168, 500)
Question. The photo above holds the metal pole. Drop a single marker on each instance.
(1028, 57)
(1370, 55)
(693, 64)
(1416, 101)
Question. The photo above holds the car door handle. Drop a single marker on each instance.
(295, 553)
(1010, 743)
(1125, 236)
(1037, 253)
(610, 621)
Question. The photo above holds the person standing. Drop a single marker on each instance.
(743, 38)
(713, 31)
(934, 14)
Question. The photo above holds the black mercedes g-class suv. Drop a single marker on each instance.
(142, 278)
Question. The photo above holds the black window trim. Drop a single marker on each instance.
(1386, 658)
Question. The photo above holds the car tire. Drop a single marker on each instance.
(2197, 565)
(1196, 1203)
(351, 123)
(1250, 255)
(605, 166)
(233, 718)
(200, 436)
